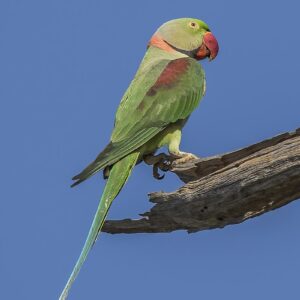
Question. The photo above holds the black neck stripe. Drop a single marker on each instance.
(190, 53)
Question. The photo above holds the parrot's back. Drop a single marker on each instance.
(145, 110)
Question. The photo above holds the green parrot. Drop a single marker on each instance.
(166, 89)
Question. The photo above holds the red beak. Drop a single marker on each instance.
(209, 48)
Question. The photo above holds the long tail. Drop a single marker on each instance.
(117, 178)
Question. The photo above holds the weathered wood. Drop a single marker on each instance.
(225, 189)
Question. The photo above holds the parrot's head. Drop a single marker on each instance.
(189, 36)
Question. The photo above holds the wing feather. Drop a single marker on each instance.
(171, 97)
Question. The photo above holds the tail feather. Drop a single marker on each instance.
(98, 164)
(115, 151)
(117, 178)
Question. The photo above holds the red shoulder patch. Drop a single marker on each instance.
(170, 75)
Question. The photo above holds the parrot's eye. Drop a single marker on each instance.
(193, 25)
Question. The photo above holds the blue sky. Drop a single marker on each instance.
(64, 66)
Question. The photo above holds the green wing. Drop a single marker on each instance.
(160, 94)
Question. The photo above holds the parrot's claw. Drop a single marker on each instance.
(156, 174)
(182, 157)
(106, 172)
(161, 161)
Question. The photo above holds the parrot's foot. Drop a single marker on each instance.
(182, 157)
(161, 161)
(106, 172)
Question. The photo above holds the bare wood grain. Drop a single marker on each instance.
(224, 189)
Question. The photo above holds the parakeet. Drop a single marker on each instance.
(166, 89)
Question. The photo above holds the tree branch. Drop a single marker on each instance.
(224, 189)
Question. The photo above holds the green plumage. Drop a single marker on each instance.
(118, 176)
(165, 90)
(141, 116)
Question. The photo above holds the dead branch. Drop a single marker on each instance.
(224, 189)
